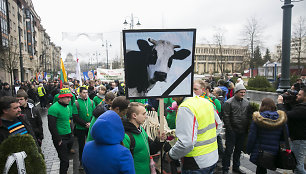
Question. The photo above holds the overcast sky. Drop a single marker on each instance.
(107, 17)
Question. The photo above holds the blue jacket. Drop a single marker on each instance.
(105, 155)
(266, 130)
(223, 88)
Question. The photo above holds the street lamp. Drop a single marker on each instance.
(125, 23)
(285, 78)
(106, 45)
(97, 58)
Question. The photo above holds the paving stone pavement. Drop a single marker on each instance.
(48, 149)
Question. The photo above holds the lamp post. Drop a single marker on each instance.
(106, 45)
(285, 78)
(125, 23)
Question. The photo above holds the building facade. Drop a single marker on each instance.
(297, 51)
(214, 59)
(70, 64)
(24, 38)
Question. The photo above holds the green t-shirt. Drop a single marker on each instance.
(85, 111)
(63, 115)
(89, 137)
(141, 154)
(97, 100)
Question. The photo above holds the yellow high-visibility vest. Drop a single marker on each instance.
(203, 110)
(40, 91)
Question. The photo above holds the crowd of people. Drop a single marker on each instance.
(111, 139)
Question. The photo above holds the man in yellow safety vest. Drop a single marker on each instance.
(196, 133)
(42, 95)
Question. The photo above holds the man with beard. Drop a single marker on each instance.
(59, 115)
(297, 128)
(11, 122)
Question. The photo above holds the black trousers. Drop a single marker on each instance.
(63, 152)
(233, 142)
(43, 101)
(81, 135)
(261, 170)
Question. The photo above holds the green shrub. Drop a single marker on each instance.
(269, 89)
(259, 82)
(234, 79)
(293, 79)
(254, 107)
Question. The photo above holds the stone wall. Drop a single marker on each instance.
(257, 96)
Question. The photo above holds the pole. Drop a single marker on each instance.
(285, 77)
(106, 55)
(132, 22)
(20, 50)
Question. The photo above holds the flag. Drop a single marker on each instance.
(63, 74)
(78, 72)
(45, 76)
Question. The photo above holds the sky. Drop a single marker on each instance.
(207, 17)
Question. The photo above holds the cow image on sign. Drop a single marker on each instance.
(151, 64)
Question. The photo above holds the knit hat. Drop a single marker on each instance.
(239, 87)
(65, 92)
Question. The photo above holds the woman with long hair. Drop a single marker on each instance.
(266, 131)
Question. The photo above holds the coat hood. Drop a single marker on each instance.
(130, 127)
(108, 129)
(270, 119)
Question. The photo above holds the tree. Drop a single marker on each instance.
(252, 36)
(267, 56)
(298, 34)
(218, 39)
(10, 58)
(257, 60)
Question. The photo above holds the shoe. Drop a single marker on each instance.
(81, 167)
(239, 171)
(72, 151)
(225, 172)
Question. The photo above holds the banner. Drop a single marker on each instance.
(78, 72)
(110, 74)
(89, 75)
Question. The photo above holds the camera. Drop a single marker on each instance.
(289, 98)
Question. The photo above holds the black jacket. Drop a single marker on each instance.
(237, 115)
(33, 116)
(155, 145)
(296, 121)
(4, 133)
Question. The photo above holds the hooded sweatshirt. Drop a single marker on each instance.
(144, 146)
(105, 154)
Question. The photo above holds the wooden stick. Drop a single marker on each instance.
(161, 117)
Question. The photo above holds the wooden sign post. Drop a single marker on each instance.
(161, 117)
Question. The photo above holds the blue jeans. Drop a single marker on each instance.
(299, 149)
(233, 140)
(207, 170)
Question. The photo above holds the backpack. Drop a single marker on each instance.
(132, 142)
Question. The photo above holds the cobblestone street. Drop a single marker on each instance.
(52, 161)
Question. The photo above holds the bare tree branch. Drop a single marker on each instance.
(298, 34)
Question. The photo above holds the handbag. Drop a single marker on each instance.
(265, 159)
(285, 158)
